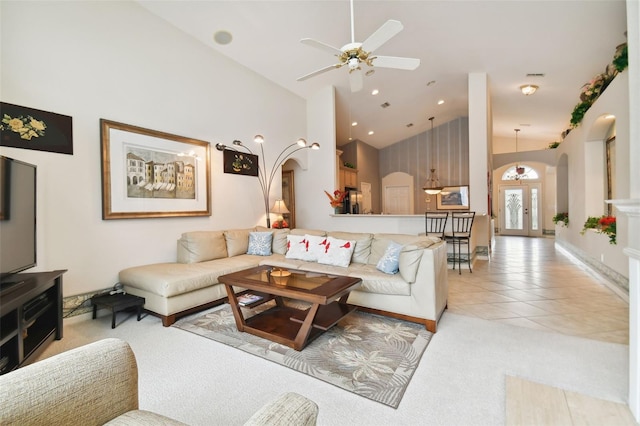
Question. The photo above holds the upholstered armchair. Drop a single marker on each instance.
(97, 384)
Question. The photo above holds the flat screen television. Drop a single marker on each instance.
(17, 219)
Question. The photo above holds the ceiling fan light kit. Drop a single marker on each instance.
(354, 54)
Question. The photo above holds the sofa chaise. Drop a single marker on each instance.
(416, 290)
(97, 384)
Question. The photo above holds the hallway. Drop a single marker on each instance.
(530, 282)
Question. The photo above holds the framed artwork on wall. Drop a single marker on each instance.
(30, 128)
(240, 163)
(150, 174)
(453, 198)
(288, 196)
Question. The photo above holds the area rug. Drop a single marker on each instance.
(370, 355)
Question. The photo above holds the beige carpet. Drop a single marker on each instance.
(369, 355)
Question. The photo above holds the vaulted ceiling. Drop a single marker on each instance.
(567, 42)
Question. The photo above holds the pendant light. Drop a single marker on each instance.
(519, 169)
(432, 186)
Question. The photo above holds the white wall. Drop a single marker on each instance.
(115, 60)
(586, 194)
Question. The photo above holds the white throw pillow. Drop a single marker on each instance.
(390, 260)
(315, 246)
(260, 243)
(337, 252)
(296, 247)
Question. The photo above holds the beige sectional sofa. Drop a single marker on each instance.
(417, 292)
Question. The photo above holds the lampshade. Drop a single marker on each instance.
(279, 207)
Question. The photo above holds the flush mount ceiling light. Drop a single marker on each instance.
(528, 89)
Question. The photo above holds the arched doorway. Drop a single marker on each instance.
(520, 202)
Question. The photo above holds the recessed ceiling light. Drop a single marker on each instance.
(375, 92)
(441, 101)
(371, 132)
(223, 37)
(355, 123)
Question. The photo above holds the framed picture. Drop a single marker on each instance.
(453, 198)
(30, 128)
(240, 163)
(288, 196)
(147, 173)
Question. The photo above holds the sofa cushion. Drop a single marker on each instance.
(142, 418)
(375, 281)
(336, 252)
(200, 246)
(302, 231)
(390, 260)
(381, 241)
(260, 243)
(363, 241)
(279, 243)
(410, 257)
(172, 279)
(315, 246)
(237, 241)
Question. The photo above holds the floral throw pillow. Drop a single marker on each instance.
(260, 243)
(337, 252)
(390, 260)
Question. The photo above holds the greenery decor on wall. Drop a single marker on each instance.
(594, 88)
(553, 145)
(603, 225)
(563, 218)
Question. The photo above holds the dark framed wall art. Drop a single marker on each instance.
(30, 128)
(147, 173)
(240, 163)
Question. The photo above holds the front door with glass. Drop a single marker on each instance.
(520, 209)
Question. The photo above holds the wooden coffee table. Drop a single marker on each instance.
(283, 324)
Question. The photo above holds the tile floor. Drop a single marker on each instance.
(529, 282)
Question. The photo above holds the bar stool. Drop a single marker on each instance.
(461, 224)
(435, 223)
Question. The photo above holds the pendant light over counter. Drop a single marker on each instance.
(432, 186)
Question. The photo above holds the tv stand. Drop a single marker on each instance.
(31, 317)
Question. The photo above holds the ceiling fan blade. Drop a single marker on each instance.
(317, 72)
(356, 80)
(382, 35)
(322, 46)
(409, 64)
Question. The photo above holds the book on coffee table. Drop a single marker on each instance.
(248, 299)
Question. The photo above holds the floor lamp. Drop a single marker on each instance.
(265, 177)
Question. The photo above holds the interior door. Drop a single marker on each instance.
(520, 209)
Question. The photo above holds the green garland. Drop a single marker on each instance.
(593, 89)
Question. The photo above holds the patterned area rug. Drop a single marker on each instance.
(370, 355)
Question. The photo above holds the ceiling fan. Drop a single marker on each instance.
(353, 54)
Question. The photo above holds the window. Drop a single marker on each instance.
(527, 173)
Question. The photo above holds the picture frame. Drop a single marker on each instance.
(240, 163)
(152, 174)
(288, 196)
(30, 128)
(453, 198)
